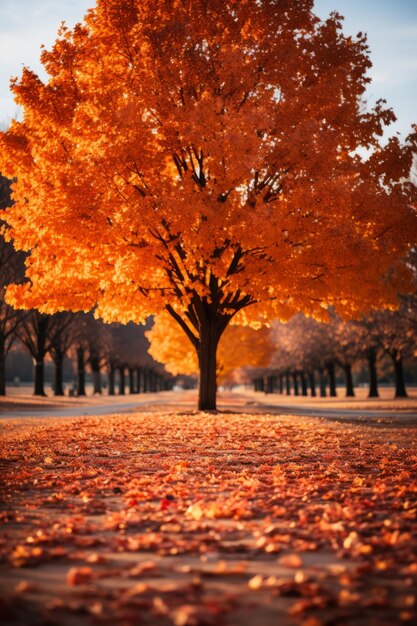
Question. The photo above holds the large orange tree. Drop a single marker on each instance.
(204, 157)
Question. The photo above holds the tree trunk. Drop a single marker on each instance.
(287, 385)
(281, 384)
(58, 383)
(303, 383)
(139, 373)
(39, 378)
(322, 383)
(350, 392)
(95, 368)
(270, 384)
(312, 381)
(295, 381)
(80, 372)
(96, 382)
(400, 390)
(121, 381)
(207, 349)
(145, 380)
(111, 380)
(332, 379)
(131, 381)
(2, 369)
(373, 378)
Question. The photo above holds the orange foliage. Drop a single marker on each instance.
(239, 346)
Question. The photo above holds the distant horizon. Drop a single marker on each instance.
(392, 38)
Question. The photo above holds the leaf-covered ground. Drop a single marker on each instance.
(196, 519)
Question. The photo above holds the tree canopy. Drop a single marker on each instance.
(202, 157)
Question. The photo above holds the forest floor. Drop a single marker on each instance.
(168, 516)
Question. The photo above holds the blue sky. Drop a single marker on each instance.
(391, 26)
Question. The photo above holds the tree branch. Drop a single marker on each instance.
(194, 340)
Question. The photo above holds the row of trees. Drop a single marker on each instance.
(120, 351)
(309, 353)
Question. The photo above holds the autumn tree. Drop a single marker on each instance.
(392, 333)
(79, 351)
(129, 355)
(38, 332)
(409, 303)
(282, 363)
(305, 346)
(204, 158)
(288, 355)
(349, 340)
(240, 346)
(64, 335)
(98, 343)
(91, 347)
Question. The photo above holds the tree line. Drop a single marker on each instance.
(309, 354)
(118, 351)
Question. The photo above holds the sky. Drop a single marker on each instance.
(391, 26)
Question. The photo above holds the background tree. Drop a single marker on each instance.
(391, 331)
(243, 346)
(215, 148)
(98, 342)
(11, 270)
(64, 335)
(289, 353)
(304, 345)
(348, 348)
(38, 332)
(409, 301)
(129, 356)
(79, 351)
